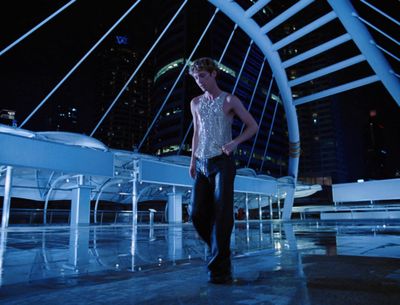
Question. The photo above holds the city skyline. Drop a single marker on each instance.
(26, 89)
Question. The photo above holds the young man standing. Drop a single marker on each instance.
(212, 165)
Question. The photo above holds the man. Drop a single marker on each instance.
(212, 165)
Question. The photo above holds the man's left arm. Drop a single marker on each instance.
(251, 125)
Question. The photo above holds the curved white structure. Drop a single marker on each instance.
(46, 160)
(341, 9)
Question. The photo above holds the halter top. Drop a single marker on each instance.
(215, 127)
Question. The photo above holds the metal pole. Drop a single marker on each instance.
(138, 68)
(227, 44)
(247, 207)
(133, 246)
(254, 90)
(7, 198)
(135, 191)
(52, 186)
(184, 138)
(269, 137)
(271, 215)
(378, 30)
(279, 206)
(242, 67)
(151, 217)
(78, 64)
(177, 80)
(380, 12)
(260, 122)
(259, 208)
(36, 27)
(3, 247)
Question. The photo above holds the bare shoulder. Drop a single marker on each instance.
(195, 101)
(194, 104)
(232, 100)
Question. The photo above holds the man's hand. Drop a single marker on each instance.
(192, 170)
(228, 148)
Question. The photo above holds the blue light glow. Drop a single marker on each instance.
(122, 40)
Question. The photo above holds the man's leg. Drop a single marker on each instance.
(202, 208)
(220, 263)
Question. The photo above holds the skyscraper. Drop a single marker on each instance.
(322, 131)
(126, 123)
(175, 118)
(64, 118)
(7, 117)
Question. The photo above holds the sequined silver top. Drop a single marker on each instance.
(215, 128)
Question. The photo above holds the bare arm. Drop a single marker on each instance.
(245, 116)
(195, 140)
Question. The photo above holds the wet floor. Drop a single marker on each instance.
(298, 262)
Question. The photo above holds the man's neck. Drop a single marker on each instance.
(213, 93)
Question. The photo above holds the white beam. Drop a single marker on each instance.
(252, 29)
(285, 15)
(388, 189)
(7, 198)
(304, 30)
(335, 90)
(363, 39)
(163, 173)
(317, 50)
(256, 7)
(31, 153)
(327, 70)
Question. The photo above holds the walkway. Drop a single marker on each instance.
(304, 262)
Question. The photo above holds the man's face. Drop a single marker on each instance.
(204, 79)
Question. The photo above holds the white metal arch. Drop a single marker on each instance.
(251, 28)
(356, 31)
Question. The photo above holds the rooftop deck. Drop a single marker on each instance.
(304, 262)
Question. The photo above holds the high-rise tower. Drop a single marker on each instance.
(175, 117)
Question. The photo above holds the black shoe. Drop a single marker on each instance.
(225, 278)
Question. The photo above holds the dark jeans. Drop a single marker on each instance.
(212, 208)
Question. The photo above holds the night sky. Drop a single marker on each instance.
(30, 70)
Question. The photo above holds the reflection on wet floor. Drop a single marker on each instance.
(304, 262)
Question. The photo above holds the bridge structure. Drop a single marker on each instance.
(46, 166)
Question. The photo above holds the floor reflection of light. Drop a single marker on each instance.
(277, 245)
(133, 246)
(2, 251)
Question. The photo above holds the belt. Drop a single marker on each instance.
(216, 158)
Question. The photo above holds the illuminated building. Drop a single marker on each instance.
(7, 117)
(175, 118)
(127, 121)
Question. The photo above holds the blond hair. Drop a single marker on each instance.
(203, 64)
